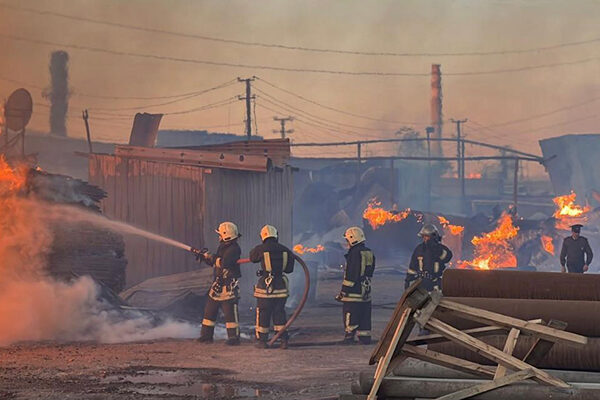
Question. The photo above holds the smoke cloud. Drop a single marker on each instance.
(33, 305)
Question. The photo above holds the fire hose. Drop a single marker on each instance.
(300, 306)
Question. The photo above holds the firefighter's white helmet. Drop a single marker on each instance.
(354, 235)
(268, 231)
(228, 231)
(429, 230)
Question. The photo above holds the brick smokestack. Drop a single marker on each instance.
(436, 108)
(59, 92)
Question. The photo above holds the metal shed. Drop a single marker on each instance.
(184, 194)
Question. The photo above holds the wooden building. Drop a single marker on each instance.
(185, 193)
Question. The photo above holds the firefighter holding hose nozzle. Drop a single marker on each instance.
(272, 288)
(356, 288)
(428, 260)
(224, 291)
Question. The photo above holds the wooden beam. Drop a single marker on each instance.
(490, 352)
(423, 314)
(488, 317)
(509, 347)
(541, 347)
(245, 162)
(383, 363)
(445, 360)
(487, 386)
(475, 332)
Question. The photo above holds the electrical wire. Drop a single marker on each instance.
(295, 47)
(287, 69)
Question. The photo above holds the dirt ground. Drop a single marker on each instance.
(180, 369)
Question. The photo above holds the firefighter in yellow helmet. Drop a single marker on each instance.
(356, 287)
(272, 289)
(224, 291)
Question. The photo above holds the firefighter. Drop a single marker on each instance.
(272, 288)
(356, 288)
(576, 253)
(429, 259)
(224, 291)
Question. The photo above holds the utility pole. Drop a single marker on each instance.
(460, 155)
(282, 121)
(429, 130)
(249, 97)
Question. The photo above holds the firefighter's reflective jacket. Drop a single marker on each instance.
(275, 261)
(226, 273)
(360, 265)
(428, 262)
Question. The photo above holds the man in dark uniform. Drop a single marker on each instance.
(576, 253)
(428, 260)
(224, 291)
(356, 288)
(272, 289)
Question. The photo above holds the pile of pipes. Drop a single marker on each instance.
(79, 248)
(571, 298)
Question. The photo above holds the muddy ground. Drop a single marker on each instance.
(181, 369)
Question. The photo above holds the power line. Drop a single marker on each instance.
(295, 47)
(192, 95)
(337, 109)
(289, 69)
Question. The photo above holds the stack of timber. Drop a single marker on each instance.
(508, 375)
(79, 248)
(571, 298)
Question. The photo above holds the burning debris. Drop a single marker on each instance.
(494, 249)
(455, 230)
(568, 212)
(378, 216)
(300, 249)
(34, 305)
(548, 244)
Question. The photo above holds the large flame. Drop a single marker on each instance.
(547, 244)
(11, 180)
(300, 249)
(494, 250)
(448, 227)
(568, 212)
(378, 216)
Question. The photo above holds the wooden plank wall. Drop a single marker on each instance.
(251, 200)
(162, 198)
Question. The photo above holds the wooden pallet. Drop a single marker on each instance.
(419, 307)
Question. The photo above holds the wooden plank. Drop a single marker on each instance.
(422, 315)
(383, 363)
(445, 360)
(488, 317)
(386, 336)
(490, 352)
(201, 158)
(541, 347)
(487, 386)
(509, 347)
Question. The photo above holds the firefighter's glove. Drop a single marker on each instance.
(339, 296)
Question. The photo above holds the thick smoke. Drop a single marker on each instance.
(34, 306)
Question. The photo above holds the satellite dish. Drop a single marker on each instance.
(17, 110)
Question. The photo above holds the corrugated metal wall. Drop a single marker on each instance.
(251, 200)
(162, 198)
(187, 203)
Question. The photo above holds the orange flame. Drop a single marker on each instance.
(493, 249)
(567, 212)
(300, 249)
(474, 175)
(453, 229)
(567, 207)
(377, 216)
(11, 179)
(548, 244)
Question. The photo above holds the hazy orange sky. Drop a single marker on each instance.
(388, 26)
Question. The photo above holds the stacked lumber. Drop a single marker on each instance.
(79, 248)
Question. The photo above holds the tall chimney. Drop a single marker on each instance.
(436, 109)
(59, 92)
